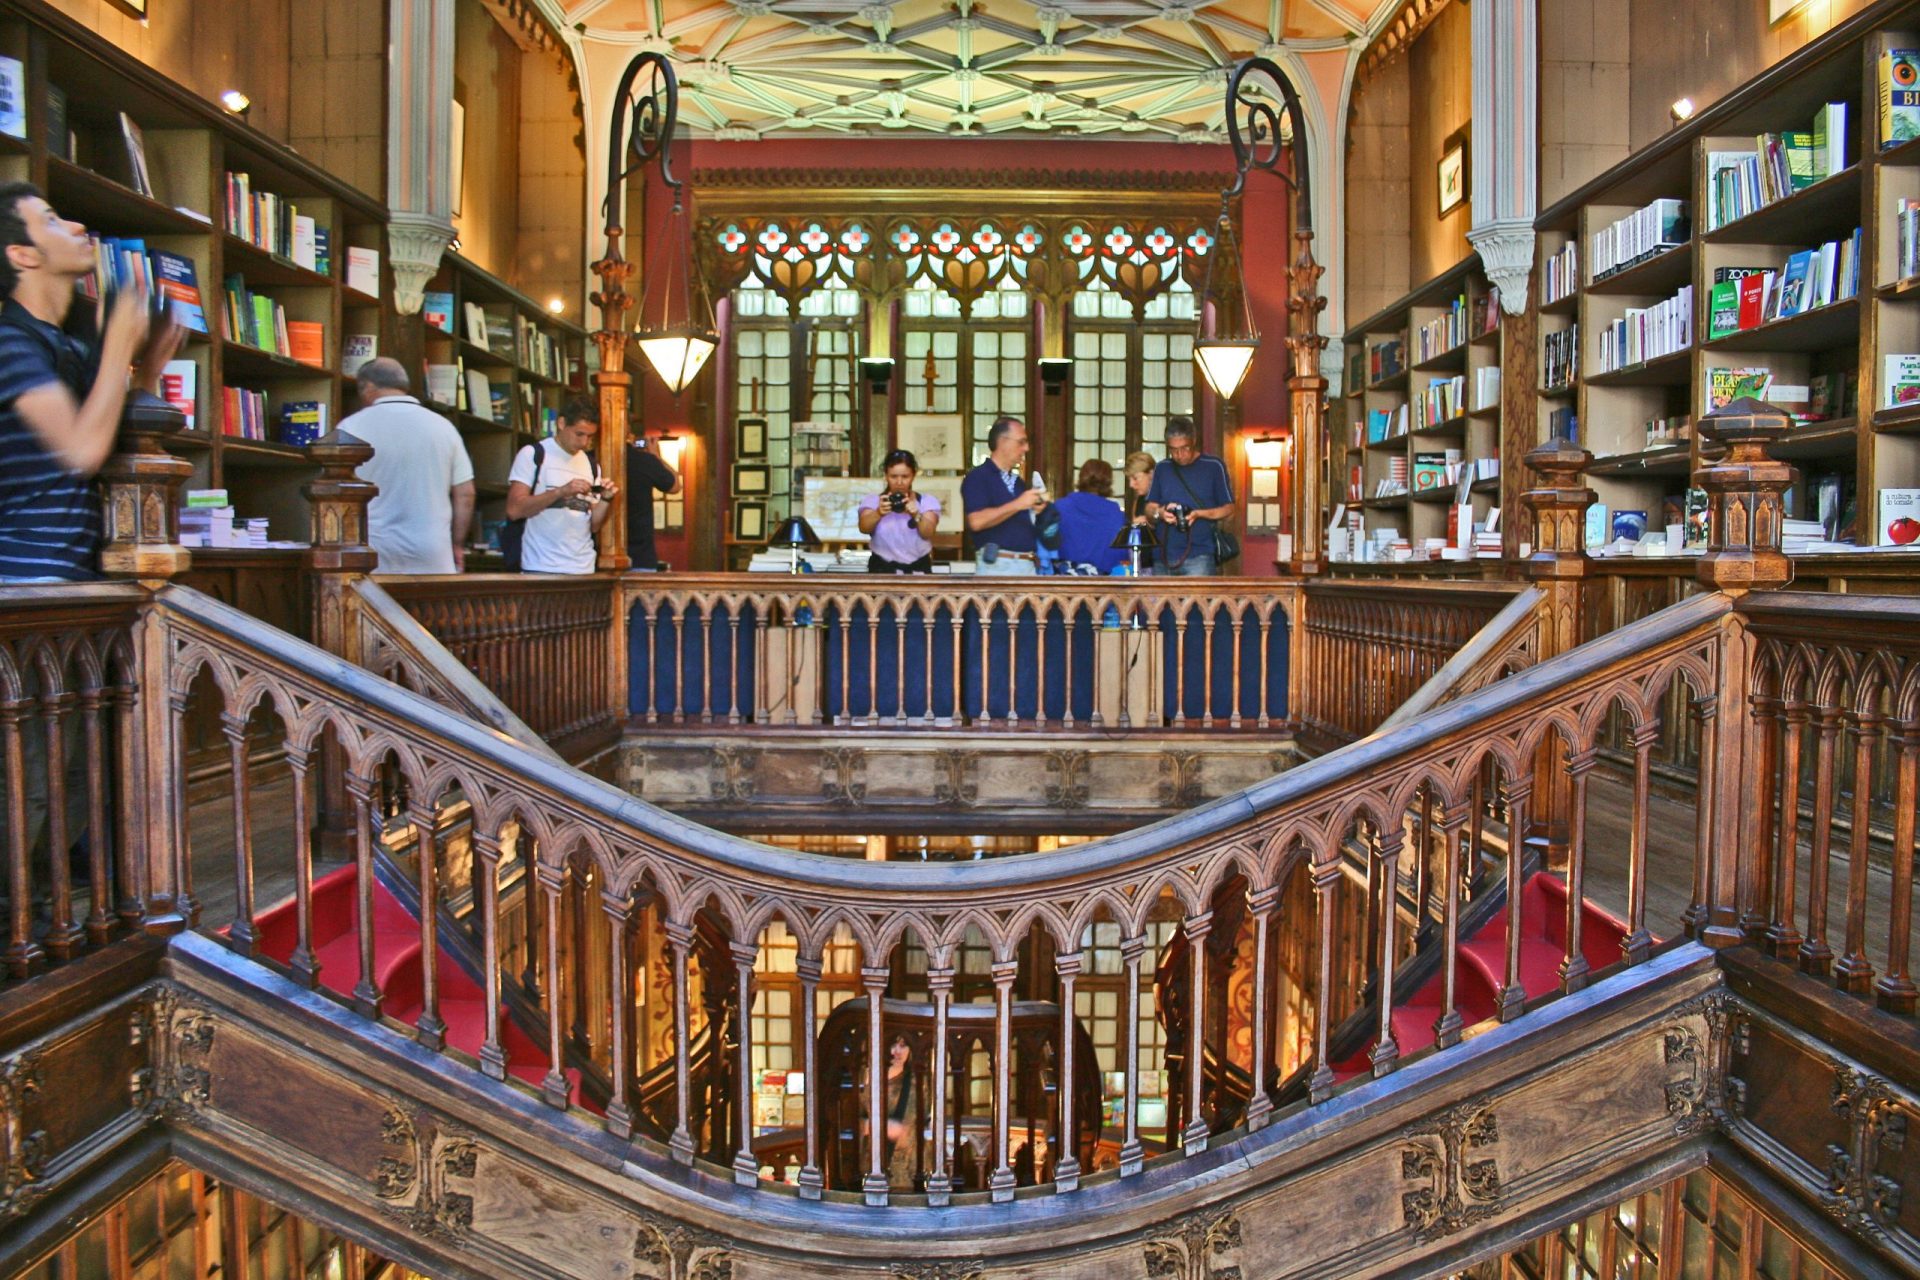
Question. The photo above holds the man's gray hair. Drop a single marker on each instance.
(384, 373)
(1180, 425)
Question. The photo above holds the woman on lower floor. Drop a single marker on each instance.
(898, 522)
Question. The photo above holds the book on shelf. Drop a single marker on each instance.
(1443, 400)
(356, 349)
(1560, 363)
(323, 250)
(1564, 424)
(1742, 182)
(1903, 380)
(363, 270)
(139, 177)
(1647, 333)
(443, 384)
(1385, 359)
(302, 422)
(479, 393)
(306, 250)
(1444, 332)
(1833, 395)
(206, 498)
(1486, 387)
(13, 97)
(436, 308)
(1644, 233)
(1899, 96)
(1386, 424)
(306, 341)
(1435, 469)
(1899, 517)
(118, 264)
(177, 287)
(243, 413)
(474, 320)
(1724, 386)
(1562, 272)
(180, 387)
(59, 136)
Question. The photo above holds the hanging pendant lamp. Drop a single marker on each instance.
(1225, 354)
(678, 335)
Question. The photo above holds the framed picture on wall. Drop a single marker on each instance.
(1455, 171)
(751, 479)
(750, 438)
(749, 522)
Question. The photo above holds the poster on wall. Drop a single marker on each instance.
(937, 441)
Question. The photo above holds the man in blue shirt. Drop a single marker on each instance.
(1196, 482)
(1000, 503)
(60, 397)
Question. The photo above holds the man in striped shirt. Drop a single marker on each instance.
(60, 396)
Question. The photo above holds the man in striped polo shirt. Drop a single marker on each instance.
(60, 396)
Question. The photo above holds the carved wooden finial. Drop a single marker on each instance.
(1746, 498)
(1559, 505)
(141, 493)
(338, 501)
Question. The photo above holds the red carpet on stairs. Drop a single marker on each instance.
(1481, 970)
(397, 968)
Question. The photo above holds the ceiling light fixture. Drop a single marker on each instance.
(675, 327)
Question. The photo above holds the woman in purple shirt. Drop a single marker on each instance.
(899, 521)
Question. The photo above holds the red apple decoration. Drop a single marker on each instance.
(1904, 531)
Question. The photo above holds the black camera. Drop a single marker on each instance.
(1182, 515)
(896, 502)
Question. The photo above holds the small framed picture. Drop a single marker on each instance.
(1455, 171)
(749, 522)
(751, 479)
(750, 438)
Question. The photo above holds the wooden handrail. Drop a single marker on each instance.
(1509, 642)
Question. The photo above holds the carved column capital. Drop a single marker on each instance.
(415, 242)
(1506, 255)
(1746, 499)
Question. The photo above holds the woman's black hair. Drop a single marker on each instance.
(897, 457)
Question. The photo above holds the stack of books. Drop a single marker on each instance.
(1443, 333)
(1642, 234)
(1647, 333)
(1563, 273)
(1561, 359)
(274, 223)
(1741, 182)
(243, 413)
(1444, 400)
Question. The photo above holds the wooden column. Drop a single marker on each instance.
(810, 1181)
(746, 1169)
(940, 989)
(1066, 1161)
(614, 386)
(1001, 1184)
(1746, 496)
(873, 980)
(1307, 389)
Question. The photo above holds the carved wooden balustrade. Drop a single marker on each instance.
(547, 645)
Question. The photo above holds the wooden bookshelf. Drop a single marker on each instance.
(1460, 350)
(1868, 447)
(190, 147)
(533, 393)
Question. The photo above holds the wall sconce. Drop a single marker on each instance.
(1267, 457)
(1054, 372)
(672, 447)
(1267, 453)
(878, 371)
(1681, 111)
(236, 102)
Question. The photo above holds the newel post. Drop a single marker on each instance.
(1559, 568)
(1746, 507)
(140, 494)
(337, 558)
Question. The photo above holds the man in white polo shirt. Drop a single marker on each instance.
(418, 521)
(555, 487)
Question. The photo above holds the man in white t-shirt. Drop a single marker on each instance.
(567, 502)
(418, 521)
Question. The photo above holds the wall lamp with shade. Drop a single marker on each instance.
(878, 371)
(1267, 452)
(675, 328)
(1225, 337)
(1054, 372)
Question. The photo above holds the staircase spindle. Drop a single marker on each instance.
(940, 990)
(429, 1028)
(807, 968)
(1177, 680)
(486, 849)
(23, 951)
(366, 992)
(1208, 612)
(705, 629)
(99, 922)
(680, 1144)
(1001, 1184)
(1895, 992)
(1194, 1137)
(553, 882)
(1013, 663)
(1447, 1027)
(1066, 1163)
(873, 663)
(1854, 971)
(1764, 728)
(301, 962)
(846, 664)
(1266, 677)
(680, 665)
(1573, 965)
(1042, 622)
(653, 666)
(746, 1168)
(1816, 957)
(240, 932)
(1326, 887)
(1236, 622)
(1513, 995)
(1387, 844)
(1260, 1104)
(873, 979)
(62, 934)
(130, 878)
(899, 664)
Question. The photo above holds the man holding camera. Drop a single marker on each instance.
(556, 488)
(1191, 493)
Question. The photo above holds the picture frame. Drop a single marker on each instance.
(936, 440)
(752, 479)
(750, 438)
(749, 522)
(1454, 172)
(457, 144)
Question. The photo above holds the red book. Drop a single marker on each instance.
(1753, 299)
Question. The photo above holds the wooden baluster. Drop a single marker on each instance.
(873, 663)
(680, 1144)
(1704, 825)
(99, 921)
(1854, 972)
(900, 663)
(845, 715)
(486, 849)
(680, 665)
(23, 951)
(985, 614)
(706, 662)
(1042, 619)
(1208, 612)
(1387, 844)
(653, 664)
(366, 992)
(1573, 965)
(1266, 675)
(1013, 663)
(873, 979)
(240, 931)
(1816, 957)
(1260, 1105)
(1066, 1164)
(1513, 996)
(926, 635)
(810, 1181)
(746, 1168)
(959, 714)
(129, 876)
(1447, 1028)
(1001, 1184)
(1132, 1152)
(429, 1028)
(62, 935)
(1765, 729)
(756, 713)
(555, 1088)
(1236, 620)
(1070, 626)
(1194, 1137)
(1638, 944)
(1326, 887)
(1895, 991)
(940, 990)
(619, 909)
(1177, 679)
(1783, 934)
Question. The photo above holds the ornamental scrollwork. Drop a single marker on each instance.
(669, 1250)
(1200, 1246)
(1454, 1154)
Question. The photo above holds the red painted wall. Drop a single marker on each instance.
(869, 162)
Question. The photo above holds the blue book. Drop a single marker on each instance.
(1793, 285)
(175, 281)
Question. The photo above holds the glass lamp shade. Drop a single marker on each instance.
(1224, 362)
(677, 355)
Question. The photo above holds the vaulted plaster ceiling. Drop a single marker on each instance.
(751, 69)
